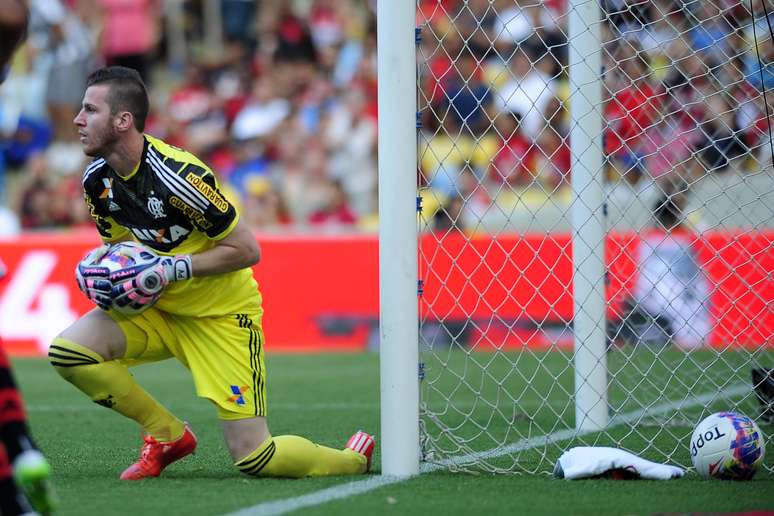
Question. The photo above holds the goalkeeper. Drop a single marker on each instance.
(206, 305)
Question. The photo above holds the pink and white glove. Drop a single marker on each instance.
(140, 286)
(93, 280)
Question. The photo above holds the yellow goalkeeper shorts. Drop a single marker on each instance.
(224, 355)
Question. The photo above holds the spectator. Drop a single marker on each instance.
(263, 112)
(513, 24)
(130, 33)
(529, 93)
(336, 209)
(722, 135)
(669, 149)
(34, 199)
(293, 38)
(670, 301)
(449, 216)
(759, 59)
(21, 136)
(711, 32)
(239, 19)
(656, 39)
(251, 163)
(327, 20)
(630, 111)
(512, 163)
(301, 172)
(628, 15)
(467, 100)
(50, 201)
(64, 54)
(264, 208)
(448, 153)
(350, 137)
(476, 199)
(192, 99)
(551, 160)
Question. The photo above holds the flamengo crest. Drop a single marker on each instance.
(156, 207)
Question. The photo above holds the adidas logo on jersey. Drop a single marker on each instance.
(113, 206)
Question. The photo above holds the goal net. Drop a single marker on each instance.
(596, 211)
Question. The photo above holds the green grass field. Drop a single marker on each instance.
(327, 398)
(503, 398)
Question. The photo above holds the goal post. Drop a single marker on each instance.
(592, 256)
(588, 222)
(398, 308)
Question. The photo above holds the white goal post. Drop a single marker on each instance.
(398, 317)
(576, 235)
(588, 223)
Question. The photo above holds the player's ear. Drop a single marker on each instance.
(124, 121)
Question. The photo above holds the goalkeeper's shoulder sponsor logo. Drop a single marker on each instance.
(207, 191)
(189, 212)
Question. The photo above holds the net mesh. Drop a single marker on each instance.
(689, 223)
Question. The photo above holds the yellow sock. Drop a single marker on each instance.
(111, 385)
(296, 457)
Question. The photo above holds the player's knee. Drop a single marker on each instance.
(66, 356)
(243, 435)
(98, 333)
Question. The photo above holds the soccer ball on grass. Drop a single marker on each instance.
(728, 446)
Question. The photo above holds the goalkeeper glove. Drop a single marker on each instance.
(93, 279)
(141, 285)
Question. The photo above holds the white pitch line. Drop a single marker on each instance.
(319, 497)
(561, 435)
(358, 487)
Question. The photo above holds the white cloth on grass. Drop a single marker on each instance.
(590, 461)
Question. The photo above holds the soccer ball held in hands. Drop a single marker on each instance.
(122, 277)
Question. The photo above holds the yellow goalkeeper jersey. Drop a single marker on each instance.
(172, 204)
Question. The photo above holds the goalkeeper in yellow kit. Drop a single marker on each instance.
(207, 313)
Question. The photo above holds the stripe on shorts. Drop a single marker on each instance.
(260, 385)
(254, 345)
(254, 367)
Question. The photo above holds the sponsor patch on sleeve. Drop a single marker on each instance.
(190, 212)
(207, 191)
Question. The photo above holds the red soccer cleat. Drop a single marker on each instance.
(155, 456)
(363, 444)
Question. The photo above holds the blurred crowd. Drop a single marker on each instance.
(681, 98)
(284, 107)
(284, 111)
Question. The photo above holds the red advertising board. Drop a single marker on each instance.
(321, 292)
(517, 289)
